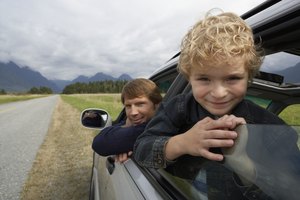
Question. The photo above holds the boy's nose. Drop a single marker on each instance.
(219, 91)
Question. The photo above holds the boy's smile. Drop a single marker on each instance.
(220, 88)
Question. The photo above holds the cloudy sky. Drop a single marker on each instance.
(63, 39)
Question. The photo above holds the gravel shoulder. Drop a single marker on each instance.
(62, 168)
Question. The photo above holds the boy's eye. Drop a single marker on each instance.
(233, 78)
(202, 79)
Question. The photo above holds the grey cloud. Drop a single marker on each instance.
(63, 39)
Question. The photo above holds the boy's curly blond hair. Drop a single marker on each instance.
(219, 39)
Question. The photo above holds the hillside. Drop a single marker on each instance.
(14, 78)
(291, 74)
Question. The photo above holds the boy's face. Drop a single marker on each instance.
(139, 110)
(220, 88)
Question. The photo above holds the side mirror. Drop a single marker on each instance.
(95, 118)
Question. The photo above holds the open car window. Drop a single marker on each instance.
(270, 150)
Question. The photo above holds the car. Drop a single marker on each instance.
(276, 26)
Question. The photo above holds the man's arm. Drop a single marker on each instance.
(116, 139)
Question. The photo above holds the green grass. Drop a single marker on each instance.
(291, 115)
(13, 98)
(109, 102)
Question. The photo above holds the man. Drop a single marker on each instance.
(140, 98)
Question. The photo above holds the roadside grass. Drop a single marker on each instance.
(291, 115)
(12, 98)
(109, 102)
(63, 165)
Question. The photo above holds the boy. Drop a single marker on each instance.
(219, 58)
(140, 97)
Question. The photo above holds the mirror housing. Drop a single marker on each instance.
(95, 118)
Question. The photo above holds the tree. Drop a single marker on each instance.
(40, 90)
(2, 91)
(107, 86)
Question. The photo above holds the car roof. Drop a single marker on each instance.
(277, 26)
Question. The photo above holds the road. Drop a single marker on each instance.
(23, 126)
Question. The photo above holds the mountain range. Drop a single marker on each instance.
(14, 78)
(291, 74)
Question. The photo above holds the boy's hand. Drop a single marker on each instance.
(205, 134)
(234, 120)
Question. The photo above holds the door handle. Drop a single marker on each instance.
(110, 164)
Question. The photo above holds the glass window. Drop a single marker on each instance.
(284, 64)
(166, 82)
(263, 165)
(165, 79)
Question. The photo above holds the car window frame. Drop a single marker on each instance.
(180, 85)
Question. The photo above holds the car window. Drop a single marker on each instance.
(165, 82)
(196, 178)
(285, 64)
(165, 79)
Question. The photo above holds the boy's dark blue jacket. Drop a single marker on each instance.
(116, 139)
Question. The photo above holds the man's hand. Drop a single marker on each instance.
(123, 157)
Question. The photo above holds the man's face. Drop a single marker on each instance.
(219, 89)
(139, 110)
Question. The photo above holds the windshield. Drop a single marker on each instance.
(284, 64)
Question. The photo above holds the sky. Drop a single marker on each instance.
(63, 39)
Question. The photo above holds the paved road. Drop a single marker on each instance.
(23, 126)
